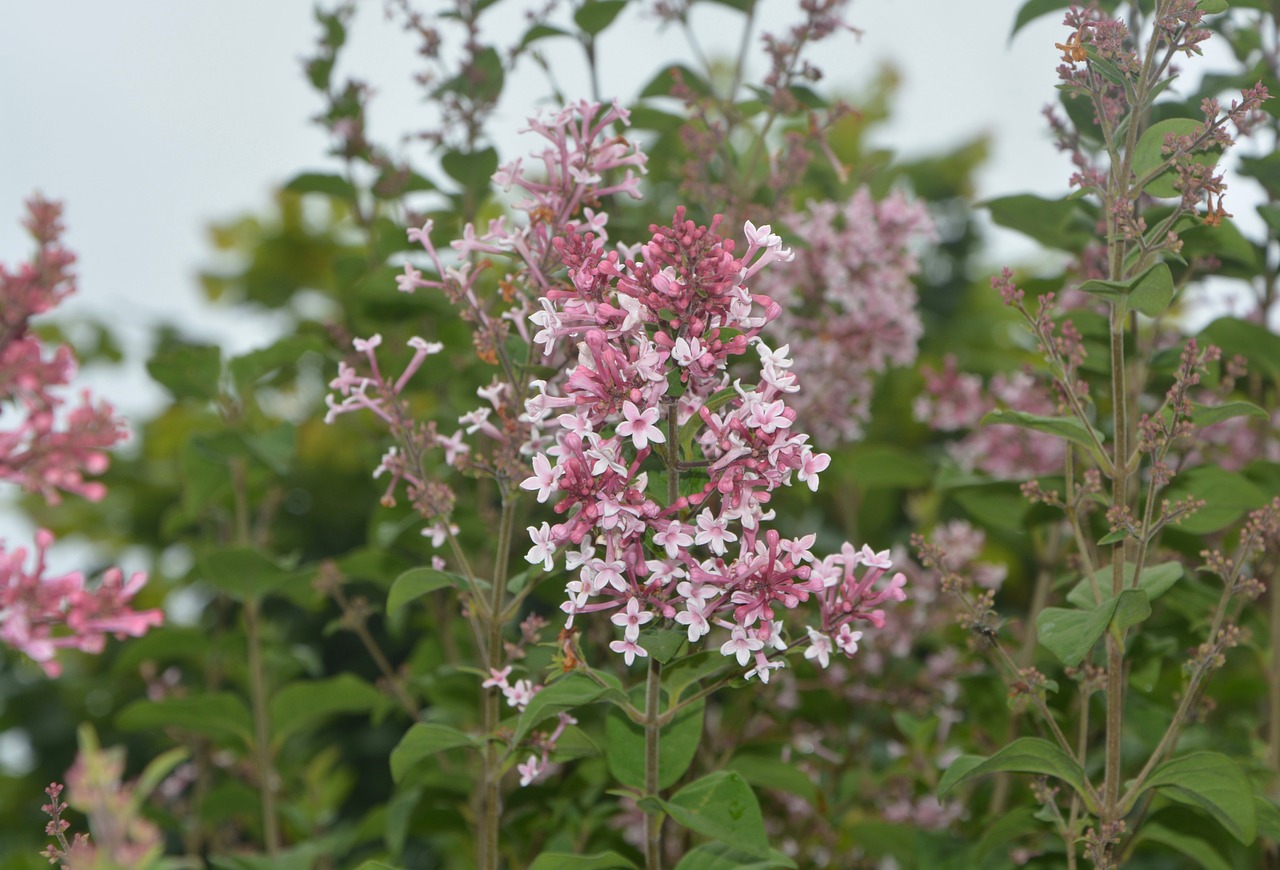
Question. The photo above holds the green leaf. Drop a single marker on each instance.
(570, 691)
(689, 670)
(1004, 832)
(883, 466)
(417, 582)
(1070, 634)
(217, 714)
(770, 771)
(330, 185)
(1069, 428)
(274, 448)
(570, 861)
(1149, 293)
(1268, 817)
(1024, 755)
(155, 773)
(472, 170)
(242, 573)
(663, 643)
(251, 367)
(302, 704)
(423, 740)
(1270, 214)
(1257, 344)
(539, 32)
(662, 83)
(1182, 844)
(1265, 169)
(1212, 7)
(1156, 580)
(677, 745)
(1212, 782)
(595, 15)
(1148, 154)
(1240, 257)
(1227, 495)
(188, 371)
(376, 865)
(723, 856)
(1061, 224)
(1207, 415)
(1033, 9)
(722, 806)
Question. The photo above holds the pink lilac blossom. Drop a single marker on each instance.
(954, 401)
(657, 332)
(585, 161)
(49, 448)
(848, 304)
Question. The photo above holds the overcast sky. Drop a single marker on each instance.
(152, 118)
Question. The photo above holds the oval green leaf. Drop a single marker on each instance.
(1024, 755)
(302, 704)
(415, 583)
(572, 690)
(1212, 782)
(569, 861)
(721, 806)
(677, 745)
(423, 740)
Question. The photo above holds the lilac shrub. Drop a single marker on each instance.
(615, 405)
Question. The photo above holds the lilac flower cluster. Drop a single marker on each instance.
(48, 449)
(848, 304)
(651, 388)
(580, 165)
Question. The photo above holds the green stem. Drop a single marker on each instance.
(1119, 496)
(490, 810)
(652, 731)
(261, 727)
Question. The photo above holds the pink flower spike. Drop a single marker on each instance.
(629, 650)
(631, 619)
(639, 425)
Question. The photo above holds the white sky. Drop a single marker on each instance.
(152, 118)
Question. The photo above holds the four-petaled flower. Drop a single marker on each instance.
(632, 618)
(629, 649)
(639, 426)
(740, 645)
(544, 477)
